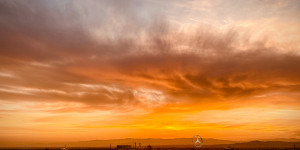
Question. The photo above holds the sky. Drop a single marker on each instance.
(112, 69)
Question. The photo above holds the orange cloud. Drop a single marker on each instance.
(64, 70)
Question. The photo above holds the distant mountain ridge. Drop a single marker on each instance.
(262, 144)
(156, 141)
(176, 142)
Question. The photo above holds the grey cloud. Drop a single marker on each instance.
(135, 52)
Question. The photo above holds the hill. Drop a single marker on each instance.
(177, 142)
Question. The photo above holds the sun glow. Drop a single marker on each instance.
(90, 70)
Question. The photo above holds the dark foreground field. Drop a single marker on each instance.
(204, 148)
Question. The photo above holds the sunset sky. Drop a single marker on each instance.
(112, 69)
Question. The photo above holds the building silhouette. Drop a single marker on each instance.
(65, 148)
(149, 147)
(125, 147)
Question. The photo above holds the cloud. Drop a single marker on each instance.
(82, 52)
(140, 68)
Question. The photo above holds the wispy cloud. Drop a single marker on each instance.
(129, 59)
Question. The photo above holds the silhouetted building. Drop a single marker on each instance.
(294, 148)
(149, 147)
(65, 148)
(125, 147)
